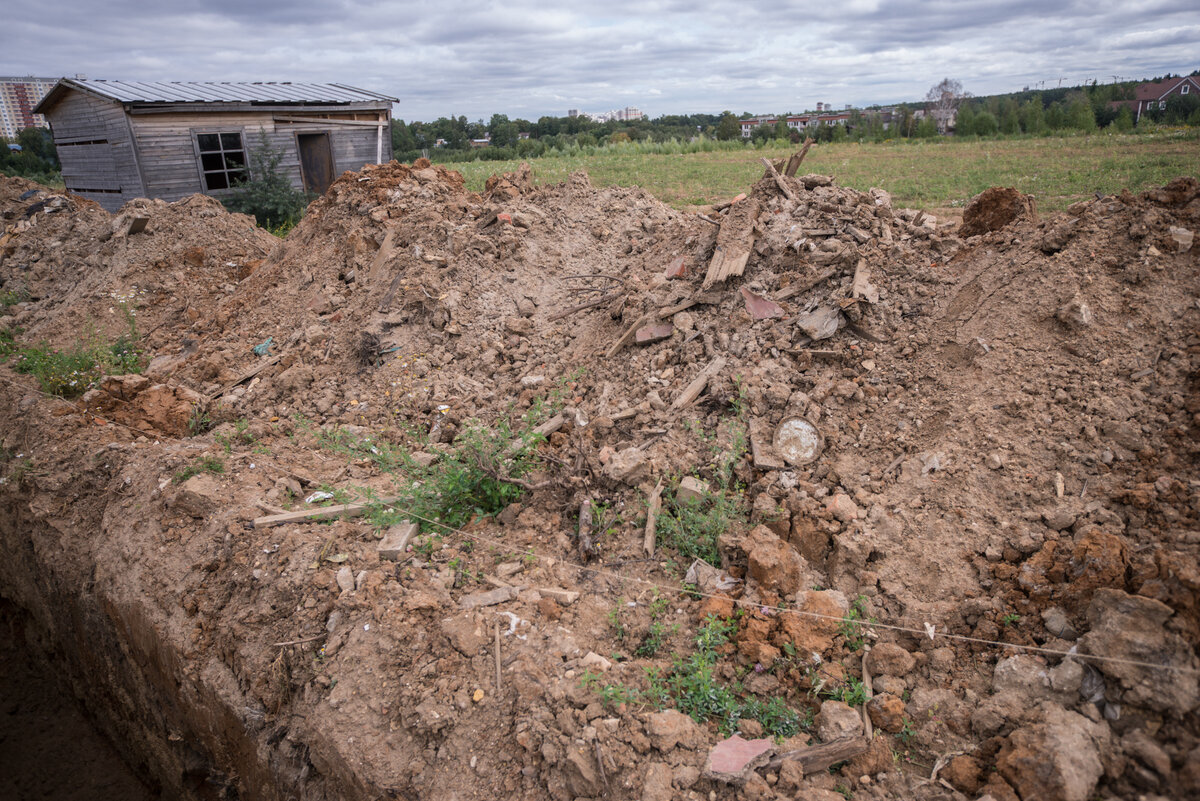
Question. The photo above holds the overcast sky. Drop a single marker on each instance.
(471, 58)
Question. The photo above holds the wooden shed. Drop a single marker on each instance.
(118, 140)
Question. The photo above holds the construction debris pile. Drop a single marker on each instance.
(932, 487)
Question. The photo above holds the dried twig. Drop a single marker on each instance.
(600, 301)
(313, 638)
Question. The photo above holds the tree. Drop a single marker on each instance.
(269, 195)
(728, 127)
(942, 102)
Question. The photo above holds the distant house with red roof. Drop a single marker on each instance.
(1150, 96)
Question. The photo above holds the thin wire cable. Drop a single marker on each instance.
(930, 631)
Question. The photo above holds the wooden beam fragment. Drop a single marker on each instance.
(381, 257)
(653, 506)
(794, 162)
(735, 242)
(697, 386)
(816, 758)
(341, 510)
(783, 187)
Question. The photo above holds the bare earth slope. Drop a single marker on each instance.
(1009, 425)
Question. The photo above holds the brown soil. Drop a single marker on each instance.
(1010, 449)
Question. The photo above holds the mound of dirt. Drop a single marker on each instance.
(1007, 425)
(995, 208)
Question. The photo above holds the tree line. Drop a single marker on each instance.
(37, 159)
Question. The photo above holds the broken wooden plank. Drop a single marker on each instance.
(735, 243)
(794, 162)
(137, 225)
(544, 431)
(862, 286)
(630, 333)
(653, 506)
(584, 540)
(805, 284)
(246, 376)
(697, 386)
(816, 758)
(774, 173)
(341, 510)
(384, 253)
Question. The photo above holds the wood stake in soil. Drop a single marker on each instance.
(584, 543)
(652, 509)
(498, 658)
(794, 162)
(701, 381)
(783, 187)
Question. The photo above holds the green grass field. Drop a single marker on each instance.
(924, 174)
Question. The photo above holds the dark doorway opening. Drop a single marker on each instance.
(316, 161)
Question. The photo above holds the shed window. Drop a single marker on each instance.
(222, 159)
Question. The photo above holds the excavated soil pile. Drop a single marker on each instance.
(1001, 480)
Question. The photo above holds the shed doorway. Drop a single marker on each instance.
(316, 161)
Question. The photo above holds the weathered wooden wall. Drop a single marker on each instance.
(96, 150)
(168, 159)
(120, 155)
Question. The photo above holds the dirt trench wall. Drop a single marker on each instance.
(68, 553)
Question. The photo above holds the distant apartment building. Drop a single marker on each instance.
(18, 96)
(627, 114)
(796, 123)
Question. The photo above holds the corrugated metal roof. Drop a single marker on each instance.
(227, 92)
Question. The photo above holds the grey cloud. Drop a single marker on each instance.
(478, 58)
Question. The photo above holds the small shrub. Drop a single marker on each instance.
(206, 464)
(269, 195)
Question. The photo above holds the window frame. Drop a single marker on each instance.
(202, 173)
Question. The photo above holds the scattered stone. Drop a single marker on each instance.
(994, 460)
(843, 507)
(677, 268)
(1026, 675)
(1056, 760)
(964, 773)
(837, 720)
(488, 598)
(1130, 627)
(889, 659)
(396, 539)
(563, 597)
(1075, 313)
(593, 660)
(345, 579)
(773, 563)
(465, 633)
(1140, 745)
(887, 712)
(199, 496)
(657, 332)
(1058, 624)
(691, 490)
(656, 786)
(1059, 518)
(813, 635)
(628, 466)
(670, 727)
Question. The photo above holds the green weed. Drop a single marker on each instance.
(206, 464)
(852, 626)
